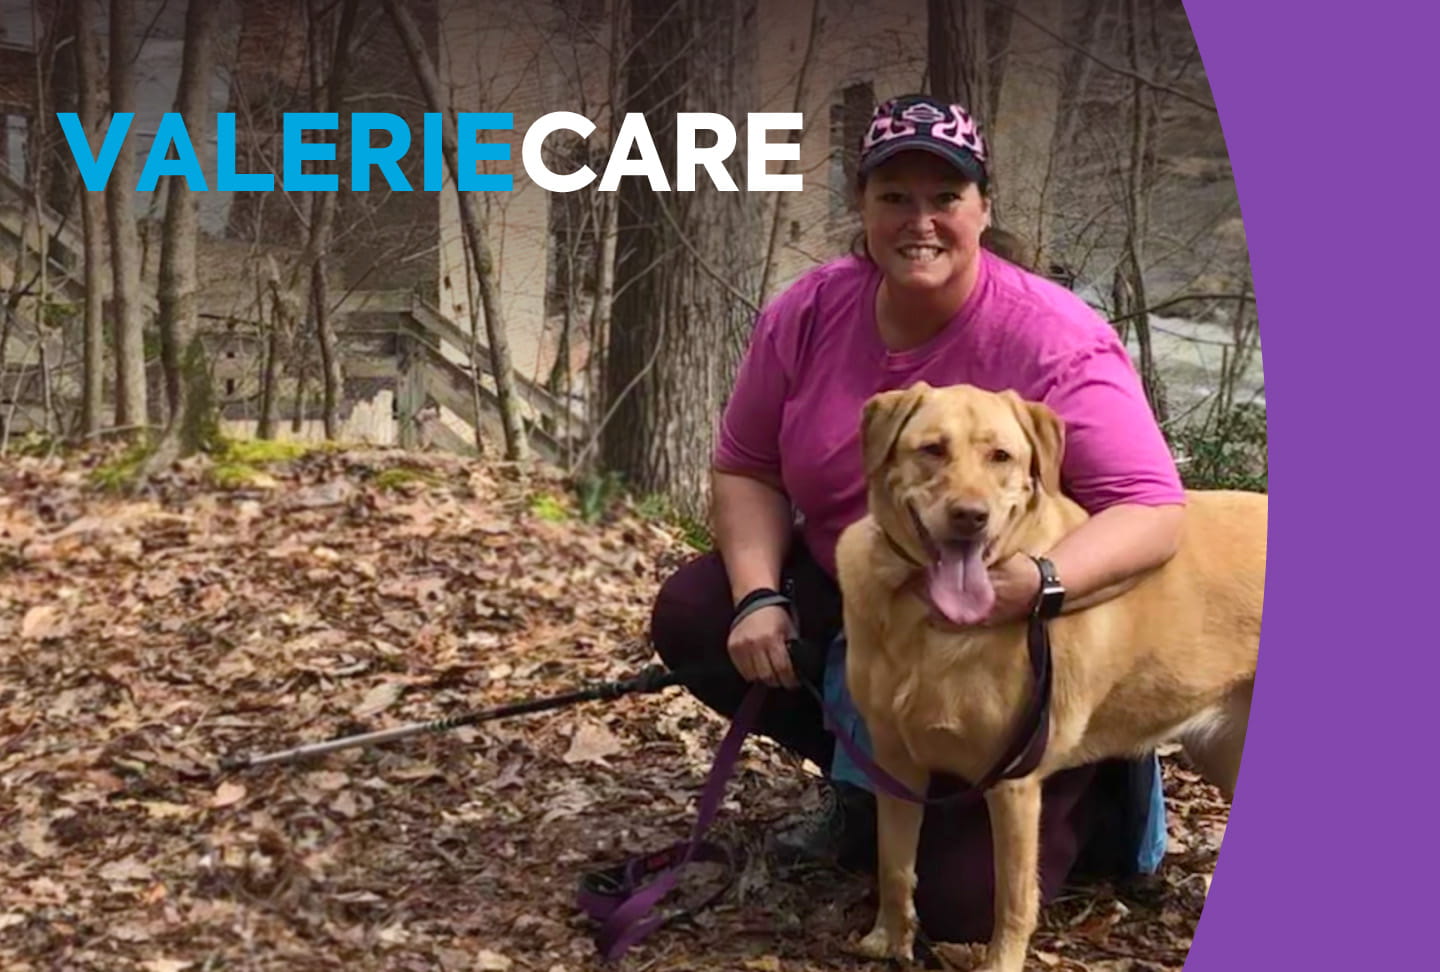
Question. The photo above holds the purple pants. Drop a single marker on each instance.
(955, 871)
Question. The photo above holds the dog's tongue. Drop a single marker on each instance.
(959, 584)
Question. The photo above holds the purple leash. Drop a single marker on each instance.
(619, 898)
(623, 897)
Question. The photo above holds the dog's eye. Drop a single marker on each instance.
(936, 449)
(1000, 455)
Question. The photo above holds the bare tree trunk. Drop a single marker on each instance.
(131, 400)
(958, 54)
(679, 318)
(281, 339)
(607, 235)
(322, 219)
(602, 310)
(782, 199)
(472, 305)
(265, 423)
(1138, 217)
(500, 367)
(191, 424)
(1022, 129)
(301, 369)
(1074, 82)
(92, 211)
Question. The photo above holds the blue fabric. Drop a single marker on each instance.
(1146, 793)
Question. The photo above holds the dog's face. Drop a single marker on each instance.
(952, 471)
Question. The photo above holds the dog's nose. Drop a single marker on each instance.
(968, 520)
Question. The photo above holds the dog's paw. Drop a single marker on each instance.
(881, 943)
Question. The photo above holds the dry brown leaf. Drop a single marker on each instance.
(41, 622)
(165, 965)
(161, 810)
(125, 870)
(328, 780)
(227, 794)
(378, 699)
(488, 961)
(33, 837)
(592, 743)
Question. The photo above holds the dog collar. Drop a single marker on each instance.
(1051, 598)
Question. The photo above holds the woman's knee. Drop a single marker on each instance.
(691, 613)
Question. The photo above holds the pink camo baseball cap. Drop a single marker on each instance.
(919, 122)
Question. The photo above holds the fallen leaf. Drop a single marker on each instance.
(165, 965)
(488, 961)
(126, 869)
(329, 780)
(591, 743)
(10, 919)
(129, 932)
(33, 834)
(227, 794)
(41, 622)
(378, 699)
(765, 963)
(162, 810)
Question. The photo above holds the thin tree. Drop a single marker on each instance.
(477, 247)
(92, 211)
(131, 400)
(782, 199)
(322, 204)
(1137, 214)
(190, 405)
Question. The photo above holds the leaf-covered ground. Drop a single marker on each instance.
(143, 639)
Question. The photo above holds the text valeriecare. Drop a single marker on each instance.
(635, 154)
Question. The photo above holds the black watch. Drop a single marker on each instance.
(1052, 592)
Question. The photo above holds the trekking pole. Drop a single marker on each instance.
(651, 679)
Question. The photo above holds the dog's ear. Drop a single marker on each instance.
(1046, 434)
(884, 419)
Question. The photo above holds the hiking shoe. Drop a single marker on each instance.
(840, 832)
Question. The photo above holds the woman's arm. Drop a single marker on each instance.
(751, 520)
(1102, 558)
(752, 523)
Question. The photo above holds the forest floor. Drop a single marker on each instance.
(234, 609)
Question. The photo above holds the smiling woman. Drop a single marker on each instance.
(923, 301)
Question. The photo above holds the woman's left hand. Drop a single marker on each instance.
(1017, 585)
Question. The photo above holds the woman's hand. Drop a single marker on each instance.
(759, 647)
(1017, 586)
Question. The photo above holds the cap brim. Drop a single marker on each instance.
(968, 165)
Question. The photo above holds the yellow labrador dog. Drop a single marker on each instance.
(978, 474)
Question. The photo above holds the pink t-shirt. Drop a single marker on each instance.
(816, 357)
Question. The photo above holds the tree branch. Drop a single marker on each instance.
(1014, 7)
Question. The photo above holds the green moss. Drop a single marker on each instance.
(398, 477)
(120, 473)
(240, 463)
(550, 508)
(235, 475)
(253, 451)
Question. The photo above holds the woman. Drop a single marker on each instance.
(924, 302)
